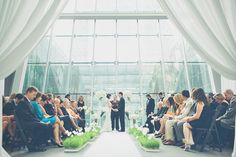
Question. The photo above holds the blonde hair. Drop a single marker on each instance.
(229, 91)
(12, 97)
(178, 99)
(219, 96)
(81, 98)
(165, 100)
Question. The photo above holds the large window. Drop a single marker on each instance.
(114, 57)
(83, 56)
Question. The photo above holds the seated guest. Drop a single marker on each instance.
(178, 126)
(9, 125)
(8, 113)
(199, 120)
(79, 111)
(63, 109)
(4, 124)
(10, 107)
(53, 120)
(179, 102)
(170, 104)
(70, 111)
(38, 131)
(69, 124)
(222, 104)
(211, 101)
(48, 106)
(161, 111)
(169, 128)
(227, 121)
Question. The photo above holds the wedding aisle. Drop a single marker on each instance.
(113, 144)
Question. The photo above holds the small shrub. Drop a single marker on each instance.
(144, 140)
(78, 141)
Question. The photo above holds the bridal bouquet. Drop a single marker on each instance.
(85, 107)
(100, 94)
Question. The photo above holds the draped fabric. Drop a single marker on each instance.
(210, 27)
(23, 23)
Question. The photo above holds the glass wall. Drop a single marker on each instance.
(138, 56)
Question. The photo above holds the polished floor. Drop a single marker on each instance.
(116, 144)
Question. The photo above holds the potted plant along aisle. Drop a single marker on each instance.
(77, 143)
(146, 142)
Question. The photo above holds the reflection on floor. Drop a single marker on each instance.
(121, 144)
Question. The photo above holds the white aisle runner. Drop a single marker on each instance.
(113, 144)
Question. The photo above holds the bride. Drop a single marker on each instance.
(107, 123)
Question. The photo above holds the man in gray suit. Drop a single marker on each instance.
(228, 119)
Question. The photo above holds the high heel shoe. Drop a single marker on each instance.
(60, 145)
(187, 148)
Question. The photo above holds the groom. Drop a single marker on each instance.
(121, 108)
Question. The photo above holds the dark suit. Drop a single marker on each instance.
(115, 116)
(226, 122)
(150, 106)
(160, 113)
(228, 119)
(38, 131)
(121, 108)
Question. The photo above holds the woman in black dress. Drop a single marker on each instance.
(81, 112)
(199, 120)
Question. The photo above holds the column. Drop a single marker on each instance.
(2, 151)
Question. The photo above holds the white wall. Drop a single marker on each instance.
(228, 84)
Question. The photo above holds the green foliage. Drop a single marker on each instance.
(144, 140)
(78, 141)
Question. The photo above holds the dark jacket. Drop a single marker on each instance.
(161, 112)
(229, 116)
(9, 108)
(49, 109)
(121, 106)
(150, 106)
(25, 113)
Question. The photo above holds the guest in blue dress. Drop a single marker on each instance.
(53, 120)
(40, 115)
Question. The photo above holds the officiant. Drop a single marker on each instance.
(115, 114)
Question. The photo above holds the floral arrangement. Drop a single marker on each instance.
(88, 110)
(100, 95)
(128, 95)
(134, 116)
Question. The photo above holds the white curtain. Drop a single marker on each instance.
(210, 27)
(23, 23)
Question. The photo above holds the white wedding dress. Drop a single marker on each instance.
(107, 122)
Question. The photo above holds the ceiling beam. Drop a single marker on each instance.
(113, 15)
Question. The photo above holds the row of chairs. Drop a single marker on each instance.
(209, 136)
